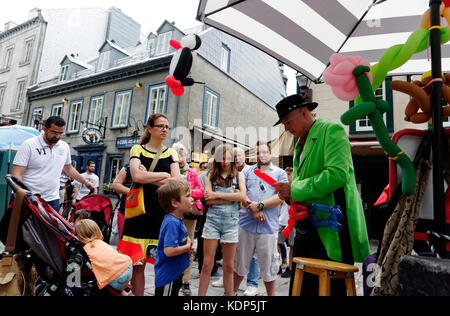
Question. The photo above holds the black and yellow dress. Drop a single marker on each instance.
(143, 230)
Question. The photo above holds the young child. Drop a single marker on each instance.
(81, 214)
(174, 245)
(109, 267)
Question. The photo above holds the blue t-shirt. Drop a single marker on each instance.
(173, 233)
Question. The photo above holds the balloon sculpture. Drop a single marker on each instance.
(418, 109)
(350, 77)
(182, 63)
(397, 55)
(297, 211)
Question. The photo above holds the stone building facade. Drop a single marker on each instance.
(116, 92)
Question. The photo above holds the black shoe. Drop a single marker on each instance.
(286, 273)
(186, 289)
(280, 271)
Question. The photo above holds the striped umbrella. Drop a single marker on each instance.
(303, 34)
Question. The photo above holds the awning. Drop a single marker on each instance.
(303, 34)
(280, 147)
(221, 139)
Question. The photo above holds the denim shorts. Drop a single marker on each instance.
(121, 282)
(222, 223)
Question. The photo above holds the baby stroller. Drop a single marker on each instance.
(50, 245)
(101, 211)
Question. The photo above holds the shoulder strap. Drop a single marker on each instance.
(14, 221)
(155, 160)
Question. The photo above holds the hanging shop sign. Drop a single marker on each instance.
(92, 136)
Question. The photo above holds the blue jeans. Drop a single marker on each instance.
(54, 204)
(253, 272)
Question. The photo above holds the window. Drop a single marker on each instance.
(121, 109)
(2, 95)
(157, 100)
(63, 74)
(8, 58)
(103, 61)
(210, 108)
(20, 95)
(28, 51)
(116, 166)
(163, 45)
(36, 118)
(364, 125)
(151, 46)
(96, 110)
(225, 58)
(75, 110)
(57, 110)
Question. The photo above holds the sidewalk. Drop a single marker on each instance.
(282, 284)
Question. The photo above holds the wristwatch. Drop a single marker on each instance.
(261, 206)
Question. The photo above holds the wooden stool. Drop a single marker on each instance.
(326, 270)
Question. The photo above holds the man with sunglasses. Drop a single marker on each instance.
(40, 161)
(259, 222)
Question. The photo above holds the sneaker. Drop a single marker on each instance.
(218, 283)
(286, 273)
(186, 289)
(251, 291)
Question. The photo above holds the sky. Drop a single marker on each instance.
(149, 13)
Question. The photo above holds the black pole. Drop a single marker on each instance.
(438, 137)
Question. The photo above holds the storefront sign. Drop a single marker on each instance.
(126, 142)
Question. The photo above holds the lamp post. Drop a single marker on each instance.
(437, 132)
(303, 87)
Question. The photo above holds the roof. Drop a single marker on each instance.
(76, 61)
(115, 46)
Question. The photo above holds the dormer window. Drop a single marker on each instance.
(163, 43)
(151, 46)
(103, 61)
(63, 73)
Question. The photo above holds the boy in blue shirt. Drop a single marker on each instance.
(174, 245)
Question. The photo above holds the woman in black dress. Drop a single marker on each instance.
(144, 230)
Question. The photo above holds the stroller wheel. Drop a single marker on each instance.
(41, 289)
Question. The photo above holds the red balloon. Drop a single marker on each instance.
(265, 177)
(175, 44)
(172, 82)
(178, 91)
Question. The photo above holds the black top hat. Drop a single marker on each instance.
(291, 103)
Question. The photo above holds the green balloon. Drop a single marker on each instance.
(396, 56)
(374, 109)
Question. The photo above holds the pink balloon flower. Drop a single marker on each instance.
(339, 75)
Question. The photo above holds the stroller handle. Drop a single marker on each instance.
(13, 182)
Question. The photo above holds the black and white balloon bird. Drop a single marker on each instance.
(181, 64)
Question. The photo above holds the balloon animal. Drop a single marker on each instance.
(418, 109)
(182, 63)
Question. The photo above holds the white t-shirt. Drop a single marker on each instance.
(43, 166)
(284, 214)
(84, 191)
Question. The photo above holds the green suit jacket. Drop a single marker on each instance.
(324, 166)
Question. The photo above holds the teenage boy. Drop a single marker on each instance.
(174, 246)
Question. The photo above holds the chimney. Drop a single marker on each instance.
(34, 13)
(9, 25)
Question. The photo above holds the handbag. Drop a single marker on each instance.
(134, 202)
(17, 278)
